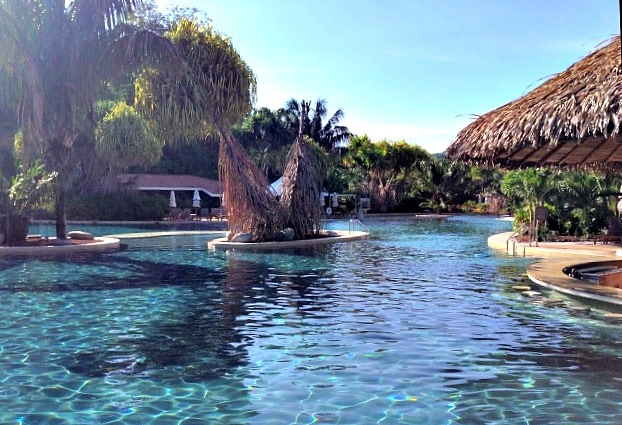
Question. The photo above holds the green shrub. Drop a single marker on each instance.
(121, 206)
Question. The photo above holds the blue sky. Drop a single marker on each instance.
(414, 70)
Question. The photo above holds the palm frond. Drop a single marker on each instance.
(251, 206)
(571, 120)
(140, 49)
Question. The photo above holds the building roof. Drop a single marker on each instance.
(572, 120)
(171, 182)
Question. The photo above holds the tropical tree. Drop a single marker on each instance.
(302, 180)
(387, 169)
(435, 177)
(215, 91)
(583, 202)
(27, 190)
(122, 135)
(530, 188)
(267, 139)
(56, 55)
(328, 134)
(485, 183)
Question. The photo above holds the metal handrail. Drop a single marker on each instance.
(354, 222)
(513, 240)
(507, 245)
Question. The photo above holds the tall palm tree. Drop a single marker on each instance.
(532, 188)
(267, 139)
(328, 134)
(215, 92)
(302, 179)
(57, 54)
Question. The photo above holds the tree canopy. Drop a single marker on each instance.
(56, 58)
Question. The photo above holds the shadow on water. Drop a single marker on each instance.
(201, 341)
(94, 272)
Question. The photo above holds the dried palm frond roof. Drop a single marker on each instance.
(571, 120)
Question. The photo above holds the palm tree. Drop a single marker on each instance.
(267, 140)
(57, 54)
(386, 168)
(530, 187)
(327, 134)
(302, 180)
(215, 92)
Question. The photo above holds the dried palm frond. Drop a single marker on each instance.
(251, 206)
(302, 179)
(571, 120)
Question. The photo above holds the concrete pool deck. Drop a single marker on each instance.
(47, 247)
(559, 256)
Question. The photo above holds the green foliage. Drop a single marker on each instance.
(530, 187)
(215, 90)
(119, 206)
(473, 207)
(199, 159)
(325, 132)
(522, 217)
(56, 58)
(387, 169)
(583, 202)
(578, 202)
(31, 188)
(124, 139)
(267, 138)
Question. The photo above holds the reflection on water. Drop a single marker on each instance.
(418, 324)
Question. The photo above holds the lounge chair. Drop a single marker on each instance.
(218, 214)
(186, 214)
(614, 231)
(174, 214)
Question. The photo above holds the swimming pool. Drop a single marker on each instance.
(418, 324)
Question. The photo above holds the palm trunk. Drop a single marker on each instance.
(250, 205)
(61, 218)
(58, 155)
(301, 191)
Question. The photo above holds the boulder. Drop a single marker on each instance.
(286, 234)
(80, 235)
(242, 237)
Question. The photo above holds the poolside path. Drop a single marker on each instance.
(562, 255)
(499, 242)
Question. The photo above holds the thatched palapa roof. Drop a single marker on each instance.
(571, 120)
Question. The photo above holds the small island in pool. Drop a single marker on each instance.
(329, 237)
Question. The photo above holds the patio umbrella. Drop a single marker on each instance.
(572, 121)
(196, 199)
(171, 200)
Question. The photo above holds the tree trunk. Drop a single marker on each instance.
(251, 207)
(58, 158)
(61, 219)
(62, 183)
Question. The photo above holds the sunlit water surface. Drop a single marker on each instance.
(419, 324)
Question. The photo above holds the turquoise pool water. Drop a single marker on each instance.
(419, 324)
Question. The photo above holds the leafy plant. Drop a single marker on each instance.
(30, 189)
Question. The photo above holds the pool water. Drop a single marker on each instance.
(419, 324)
